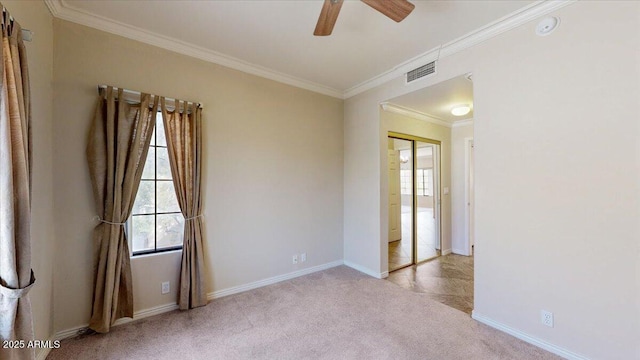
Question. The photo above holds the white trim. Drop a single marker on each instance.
(459, 252)
(401, 110)
(384, 275)
(64, 334)
(446, 252)
(567, 354)
(365, 270)
(506, 23)
(44, 352)
(272, 280)
(61, 9)
(156, 310)
(69, 333)
(467, 196)
(437, 192)
(461, 123)
(54, 6)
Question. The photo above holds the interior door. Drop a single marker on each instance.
(395, 226)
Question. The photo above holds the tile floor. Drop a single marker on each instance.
(447, 279)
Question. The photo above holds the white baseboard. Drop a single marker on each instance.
(567, 354)
(156, 310)
(365, 270)
(141, 314)
(384, 275)
(44, 352)
(64, 334)
(446, 251)
(272, 280)
(459, 252)
(69, 333)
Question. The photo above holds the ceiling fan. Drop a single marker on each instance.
(396, 10)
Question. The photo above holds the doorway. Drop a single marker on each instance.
(414, 200)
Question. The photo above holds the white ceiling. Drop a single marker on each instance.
(278, 35)
(437, 100)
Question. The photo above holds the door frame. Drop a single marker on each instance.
(469, 182)
(396, 156)
(437, 163)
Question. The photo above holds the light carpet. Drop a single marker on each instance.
(337, 313)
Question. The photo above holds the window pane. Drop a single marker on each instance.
(143, 232)
(149, 170)
(160, 135)
(167, 201)
(156, 194)
(164, 170)
(145, 199)
(170, 230)
(153, 136)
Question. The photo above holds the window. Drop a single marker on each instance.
(424, 182)
(406, 186)
(156, 223)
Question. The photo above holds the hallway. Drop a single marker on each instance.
(447, 279)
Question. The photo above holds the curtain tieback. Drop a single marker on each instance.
(108, 222)
(17, 293)
(193, 217)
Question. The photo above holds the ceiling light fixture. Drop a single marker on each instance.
(460, 110)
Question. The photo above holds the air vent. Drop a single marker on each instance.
(421, 72)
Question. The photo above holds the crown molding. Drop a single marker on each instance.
(461, 123)
(53, 5)
(401, 110)
(62, 10)
(506, 23)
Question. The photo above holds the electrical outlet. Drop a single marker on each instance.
(546, 317)
(295, 259)
(166, 287)
(303, 257)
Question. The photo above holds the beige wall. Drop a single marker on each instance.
(543, 239)
(273, 168)
(536, 249)
(35, 16)
(459, 240)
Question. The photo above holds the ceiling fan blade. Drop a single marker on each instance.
(328, 17)
(396, 10)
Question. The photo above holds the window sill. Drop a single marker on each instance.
(142, 256)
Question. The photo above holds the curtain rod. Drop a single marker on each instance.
(137, 93)
(27, 35)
